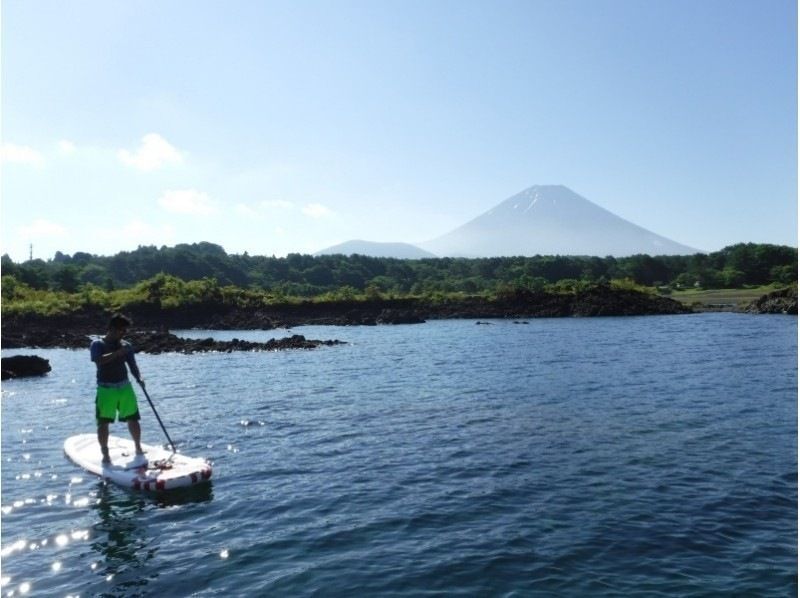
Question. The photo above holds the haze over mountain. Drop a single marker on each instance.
(541, 220)
(404, 251)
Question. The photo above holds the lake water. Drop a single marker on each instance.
(605, 456)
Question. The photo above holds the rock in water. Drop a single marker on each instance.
(20, 366)
(398, 316)
(783, 301)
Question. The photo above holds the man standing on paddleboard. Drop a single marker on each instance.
(115, 397)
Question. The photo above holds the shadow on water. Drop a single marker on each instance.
(183, 496)
(126, 540)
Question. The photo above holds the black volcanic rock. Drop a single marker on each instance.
(21, 366)
(395, 316)
(602, 301)
(783, 301)
(165, 342)
(40, 335)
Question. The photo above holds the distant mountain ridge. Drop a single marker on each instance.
(546, 220)
(404, 251)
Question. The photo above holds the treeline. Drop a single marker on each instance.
(309, 276)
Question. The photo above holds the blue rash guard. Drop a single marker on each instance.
(113, 373)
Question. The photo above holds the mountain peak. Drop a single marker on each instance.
(551, 220)
(526, 200)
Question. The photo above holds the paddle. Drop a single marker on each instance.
(174, 450)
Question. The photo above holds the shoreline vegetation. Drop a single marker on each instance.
(328, 277)
(60, 302)
(155, 317)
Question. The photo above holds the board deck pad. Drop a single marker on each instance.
(159, 469)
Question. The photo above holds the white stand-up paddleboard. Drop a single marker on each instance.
(158, 469)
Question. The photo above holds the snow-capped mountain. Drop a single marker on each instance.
(551, 220)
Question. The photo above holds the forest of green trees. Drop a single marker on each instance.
(308, 276)
(203, 273)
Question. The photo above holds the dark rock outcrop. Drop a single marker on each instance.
(165, 342)
(162, 341)
(21, 366)
(602, 301)
(398, 316)
(783, 301)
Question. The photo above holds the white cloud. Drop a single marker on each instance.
(244, 210)
(42, 229)
(153, 153)
(20, 154)
(66, 147)
(317, 210)
(281, 204)
(262, 207)
(187, 201)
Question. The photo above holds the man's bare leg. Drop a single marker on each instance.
(102, 438)
(136, 434)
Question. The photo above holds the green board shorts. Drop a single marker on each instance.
(111, 401)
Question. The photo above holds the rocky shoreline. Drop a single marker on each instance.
(154, 342)
(150, 333)
(782, 301)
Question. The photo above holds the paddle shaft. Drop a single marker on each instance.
(147, 396)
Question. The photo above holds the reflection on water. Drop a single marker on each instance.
(125, 538)
(120, 537)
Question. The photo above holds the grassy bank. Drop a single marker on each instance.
(721, 299)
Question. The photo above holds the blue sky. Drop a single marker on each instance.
(277, 127)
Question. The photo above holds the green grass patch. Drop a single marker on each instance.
(736, 298)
